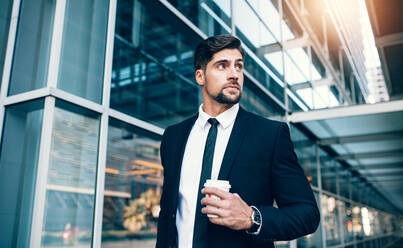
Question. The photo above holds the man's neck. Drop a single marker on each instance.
(214, 110)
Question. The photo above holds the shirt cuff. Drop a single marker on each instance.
(261, 223)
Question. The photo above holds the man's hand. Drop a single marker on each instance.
(231, 210)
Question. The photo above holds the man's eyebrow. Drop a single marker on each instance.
(226, 61)
(221, 61)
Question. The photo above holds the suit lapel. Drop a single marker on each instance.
(234, 143)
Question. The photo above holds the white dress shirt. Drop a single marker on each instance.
(192, 165)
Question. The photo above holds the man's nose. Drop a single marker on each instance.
(233, 73)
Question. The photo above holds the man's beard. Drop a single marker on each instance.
(224, 99)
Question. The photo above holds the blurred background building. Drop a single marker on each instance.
(88, 86)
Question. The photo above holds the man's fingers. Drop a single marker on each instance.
(211, 201)
(213, 210)
(218, 192)
(218, 221)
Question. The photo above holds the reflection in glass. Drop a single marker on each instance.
(330, 217)
(357, 222)
(210, 16)
(348, 223)
(18, 166)
(70, 188)
(313, 240)
(32, 48)
(153, 74)
(5, 13)
(83, 48)
(253, 67)
(254, 102)
(133, 184)
(305, 150)
(345, 177)
(328, 173)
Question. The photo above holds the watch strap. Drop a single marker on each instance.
(256, 226)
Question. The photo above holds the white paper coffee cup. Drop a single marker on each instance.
(220, 184)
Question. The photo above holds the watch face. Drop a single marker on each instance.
(256, 217)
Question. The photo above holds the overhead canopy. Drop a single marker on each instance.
(369, 138)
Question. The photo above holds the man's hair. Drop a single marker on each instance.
(207, 48)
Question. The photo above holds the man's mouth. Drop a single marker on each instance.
(232, 86)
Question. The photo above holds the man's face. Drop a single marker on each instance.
(222, 80)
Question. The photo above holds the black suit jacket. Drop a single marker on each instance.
(261, 166)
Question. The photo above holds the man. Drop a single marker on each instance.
(226, 142)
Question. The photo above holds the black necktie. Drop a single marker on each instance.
(200, 237)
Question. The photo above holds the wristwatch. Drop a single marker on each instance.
(256, 218)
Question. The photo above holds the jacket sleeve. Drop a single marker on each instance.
(297, 213)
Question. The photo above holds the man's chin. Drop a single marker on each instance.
(223, 99)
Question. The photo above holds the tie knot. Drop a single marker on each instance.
(213, 122)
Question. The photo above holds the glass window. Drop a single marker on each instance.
(133, 184)
(345, 176)
(5, 13)
(18, 167)
(282, 244)
(341, 208)
(330, 217)
(305, 150)
(313, 240)
(255, 69)
(70, 189)
(32, 48)
(153, 74)
(210, 16)
(326, 174)
(357, 222)
(254, 101)
(83, 48)
(348, 223)
(329, 177)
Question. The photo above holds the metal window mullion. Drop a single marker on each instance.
(340, 219)
(280, 11)
(109, 54)
(352, 87)
(26, 96)
(5, 80)
(190, 24)
(135, 122)
(310, 74)
(76, 100)
(233, 28)
(100, 183)
(42, 172)
(264, 89)
(12, 32)
(103, 137)
(319, 175)
(56, 45)
(341, 66)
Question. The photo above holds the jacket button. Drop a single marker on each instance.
(173, 216)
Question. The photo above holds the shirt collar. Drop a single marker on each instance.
(225, 119)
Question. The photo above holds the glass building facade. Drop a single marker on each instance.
(87, 88)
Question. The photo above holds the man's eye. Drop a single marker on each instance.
(220, 66)
(239, 67)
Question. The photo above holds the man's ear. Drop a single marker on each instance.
(199, 75)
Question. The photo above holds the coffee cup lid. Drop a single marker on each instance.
(217, 183)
